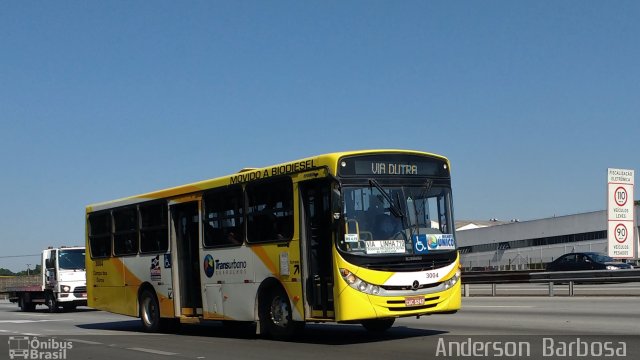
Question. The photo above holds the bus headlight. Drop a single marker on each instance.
(66, 288)
(359, 284)
(454, 279)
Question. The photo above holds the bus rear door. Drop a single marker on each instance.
(186, 245)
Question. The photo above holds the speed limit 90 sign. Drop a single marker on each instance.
(620, 232)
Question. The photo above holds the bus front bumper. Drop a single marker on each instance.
(354, 305)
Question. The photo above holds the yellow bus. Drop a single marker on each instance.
(351, 237)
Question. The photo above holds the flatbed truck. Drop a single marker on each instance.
(63, 282)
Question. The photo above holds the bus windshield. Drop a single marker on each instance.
(387, 220)
(71, 259)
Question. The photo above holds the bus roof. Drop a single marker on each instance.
(328, 161)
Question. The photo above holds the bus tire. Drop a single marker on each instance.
(149, 311)
(276, 316)
(50, 301)
(378, 325)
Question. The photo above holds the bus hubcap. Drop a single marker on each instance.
(279, 312)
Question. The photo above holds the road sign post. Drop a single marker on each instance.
(620, 214)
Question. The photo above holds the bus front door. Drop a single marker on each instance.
(316, 241)
(185, 220)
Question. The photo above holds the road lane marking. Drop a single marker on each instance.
(84, 341)
(32, 314)
(498, 306)
(28, 321)
(152, 351)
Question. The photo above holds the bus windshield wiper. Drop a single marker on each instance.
(425, 189)
(395, 210)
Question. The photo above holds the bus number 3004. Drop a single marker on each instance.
(431, 275)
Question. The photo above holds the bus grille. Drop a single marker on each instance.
(409, 266)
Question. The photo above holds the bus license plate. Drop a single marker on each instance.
(414, 301)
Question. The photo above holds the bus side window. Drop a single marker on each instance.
(125, 237)
(100, 234)
(154, 233)
(270, 211)
(223, 217)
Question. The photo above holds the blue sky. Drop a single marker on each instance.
(530, 100)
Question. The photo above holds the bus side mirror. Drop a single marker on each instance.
(336, 203)
(336, 207)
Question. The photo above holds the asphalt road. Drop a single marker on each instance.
(585, 321)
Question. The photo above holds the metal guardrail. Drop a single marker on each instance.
(552, 278)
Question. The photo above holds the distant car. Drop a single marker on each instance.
(586, 261)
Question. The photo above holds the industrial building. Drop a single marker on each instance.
(531, 244)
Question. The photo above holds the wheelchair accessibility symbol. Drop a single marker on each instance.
(420, 244)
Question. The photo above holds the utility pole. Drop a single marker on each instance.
(28, 269)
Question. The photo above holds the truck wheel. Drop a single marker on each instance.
(51, 302)
(149, 311)
(26, 305)
(378, 325)
(276, 315)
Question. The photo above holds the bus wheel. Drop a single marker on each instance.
(50, 301)
(276, 315)
(149, 311)
(378, 325)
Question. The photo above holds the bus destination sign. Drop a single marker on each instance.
(385, 168)
(392, 165)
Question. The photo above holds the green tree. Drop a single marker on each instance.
(35, 271)
(6, 272)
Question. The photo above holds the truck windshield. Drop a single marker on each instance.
(387, 220)
(71, 259)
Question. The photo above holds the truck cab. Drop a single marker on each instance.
(64, 279)
(63, 282)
